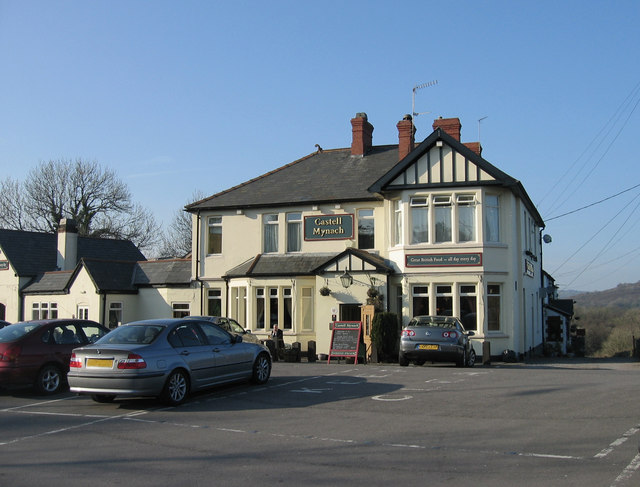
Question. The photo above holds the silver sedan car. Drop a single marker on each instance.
(436, 339)
(167, 359)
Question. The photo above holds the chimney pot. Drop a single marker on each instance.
(362, 134)
(406, 136)
(451, 126)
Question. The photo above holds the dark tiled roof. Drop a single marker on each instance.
(111, 275)
(564, 306)
(163, 272)
(327, 176)
(32, 253)
(116, 276)
(301, 264)
(50, 283)
(280, 265)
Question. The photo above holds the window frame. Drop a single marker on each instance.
(294, 231)
(366, 240)
(493, 297)
(269, 222)
(419, 205)
(214, 228)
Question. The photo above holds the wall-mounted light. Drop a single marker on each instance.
(346, 279)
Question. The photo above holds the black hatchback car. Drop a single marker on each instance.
(436, 339)
(37, 352)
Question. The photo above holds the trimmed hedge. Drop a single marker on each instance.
(384, 334)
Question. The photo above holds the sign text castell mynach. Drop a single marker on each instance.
(442, 260)
(328, 227)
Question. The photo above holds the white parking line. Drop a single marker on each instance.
(628, 471)
(618, 442)
(62, 430)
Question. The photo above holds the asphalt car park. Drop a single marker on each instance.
(540, 424)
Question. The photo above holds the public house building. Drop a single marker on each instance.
(428, 228)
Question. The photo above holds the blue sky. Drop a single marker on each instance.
(187, 96)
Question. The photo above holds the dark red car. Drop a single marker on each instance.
(37, 352)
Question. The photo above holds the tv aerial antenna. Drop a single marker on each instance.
(413, 98)
(479, 121)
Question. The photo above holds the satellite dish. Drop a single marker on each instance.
(546, 238)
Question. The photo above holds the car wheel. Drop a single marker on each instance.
(471, 359)
(103, 398)
(49, 380)
(261, 369)
(402, 360)
(176, 388)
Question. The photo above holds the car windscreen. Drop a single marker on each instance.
(436, 323)
(132, 335)
(17, 330)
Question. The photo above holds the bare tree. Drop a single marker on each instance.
(94, 197)
(12, 206)
(177, 239)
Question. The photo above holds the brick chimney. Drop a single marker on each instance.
(406, 136)
(67, 245)
(362, 132)
(451, 126)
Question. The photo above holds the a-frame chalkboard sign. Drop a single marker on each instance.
(345, 339)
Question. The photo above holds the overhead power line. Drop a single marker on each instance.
(592, 204)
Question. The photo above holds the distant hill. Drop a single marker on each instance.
(623, 296)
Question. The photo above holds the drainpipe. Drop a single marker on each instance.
(198, 263)
(104, 309)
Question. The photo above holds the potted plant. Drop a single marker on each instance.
(325, 291)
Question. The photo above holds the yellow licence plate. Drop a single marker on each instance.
(427, 347)
(99, 362)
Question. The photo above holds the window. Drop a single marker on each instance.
(215, 235)
(215, 336)
(294, 232)
(214, 302)
(493, 307)
(492, 218)
(270, 233)
(444, 301)
(468, 306)
(260, 308)
(180, 310)
(419, 220)
(397, 222)
(115, 315)
(273, 306)
(66, 335)
(307, 306)
(443, 218)
(366, 229)
(44, 311)
(186, 336)
(287, 312)
(466, 217)
(83, 312)
(239, 303)
(420, 300)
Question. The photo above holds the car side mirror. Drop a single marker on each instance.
(237, 339)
